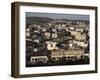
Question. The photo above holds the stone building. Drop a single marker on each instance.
(80, 37)
(80, 43)
(67, 53)
(35, 59)
(74, 33)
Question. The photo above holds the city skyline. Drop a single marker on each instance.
(51, 42)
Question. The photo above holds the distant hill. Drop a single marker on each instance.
(31, 20)
(39, 20)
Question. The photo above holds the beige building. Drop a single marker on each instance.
(28, 32)
(47, 34)
(36, 40)
(81, 24)
(80, 37)
(79, 29)
(66, 29)
(63, 26)
(44, 30)
(67, 53)
(51, 45)
(80, 43)
(39, 58)
(75, 33)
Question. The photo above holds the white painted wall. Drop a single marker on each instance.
(5, 40)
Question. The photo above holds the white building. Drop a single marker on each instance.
(71, 28)
(51, 45)
(36, 40)
(63, 26)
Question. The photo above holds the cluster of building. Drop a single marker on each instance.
(62, 38)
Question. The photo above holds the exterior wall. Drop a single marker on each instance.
(79, 43)
(75, 33)
(67, 53)
(80, 37)
(40, 58)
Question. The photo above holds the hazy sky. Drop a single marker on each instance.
(58, 16)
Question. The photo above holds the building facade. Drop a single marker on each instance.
(67, 53)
